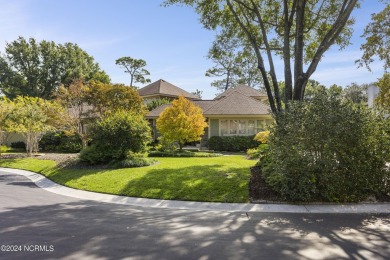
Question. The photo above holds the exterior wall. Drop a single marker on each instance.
(12, 138)
(372, 93)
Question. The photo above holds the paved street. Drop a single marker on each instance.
(37, 224)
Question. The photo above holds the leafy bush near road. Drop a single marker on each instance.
(328, 149)
(115, 136)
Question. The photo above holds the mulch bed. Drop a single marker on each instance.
(259, 190)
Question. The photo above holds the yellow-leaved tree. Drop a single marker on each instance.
(182, 122)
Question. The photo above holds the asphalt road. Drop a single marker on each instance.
(36, 224)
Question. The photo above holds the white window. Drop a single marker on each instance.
(224, 127)
(241, 126)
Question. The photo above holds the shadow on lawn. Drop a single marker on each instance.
(195, 183)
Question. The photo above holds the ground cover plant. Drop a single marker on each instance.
(216, 179)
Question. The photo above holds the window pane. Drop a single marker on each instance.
(224, 127)
(242, 127)
(233, 127)
(260, 126)
(251, 127)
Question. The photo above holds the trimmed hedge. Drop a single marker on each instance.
(60, 142)
(232, 143)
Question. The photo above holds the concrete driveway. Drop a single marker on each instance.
(37, 224)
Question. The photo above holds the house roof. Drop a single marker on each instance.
(234, 103)
(243, 89)
(164, 88)
(237, 104)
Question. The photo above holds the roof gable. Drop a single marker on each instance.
(237, 104)
(243, 89)
(164, 88)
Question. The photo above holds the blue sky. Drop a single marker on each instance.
(171, 40)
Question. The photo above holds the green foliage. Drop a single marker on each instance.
(299, 32)
(154, 103)
(31, 68)
(132, 162)
(108, 98)
(60, 142)
(115, 135)
(135, 67)
(383, 98)
(232, 143)
(33, 117)
(18, 145)
(182, 122)
(259, 152)
(328, 149)
(377, 43)
(165, 145)
(183, 153)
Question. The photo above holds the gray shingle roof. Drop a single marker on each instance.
(164, 88)
(243, 89)
(235, 103)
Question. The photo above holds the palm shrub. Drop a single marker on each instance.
(327, 149)
(116, 135)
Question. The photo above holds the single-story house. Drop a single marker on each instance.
(238, 111)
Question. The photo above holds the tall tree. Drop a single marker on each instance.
(377, 34)
(74, 100)
(357, 93)
(383, 98)
(224, 53)
(182, 122)
(6, 106)
(299, 31)
(31, 68)
(33, 117)
(113, 97)
(135, 67)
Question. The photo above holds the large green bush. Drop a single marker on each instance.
(115, 135)
(232, 143)
(328, 149)
(60, 142)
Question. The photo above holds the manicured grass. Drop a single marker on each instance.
(216, 179)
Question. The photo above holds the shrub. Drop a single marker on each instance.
(232, 143)
(60, 142)
(258, 153)
(132, 162)
(182, 154)
(115, 135)
(18, 145)
(327, 149)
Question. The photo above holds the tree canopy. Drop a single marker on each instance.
(182, 122)
(37, 69)
(383, 98)
(32, 117)
(234, 63)
(113, 97)
(377, 34)
(298, 31)
(135, 67)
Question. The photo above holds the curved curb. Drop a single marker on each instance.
(48, 185)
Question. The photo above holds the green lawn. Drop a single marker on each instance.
(216, 179)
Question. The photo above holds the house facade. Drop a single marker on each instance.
(238, 111)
